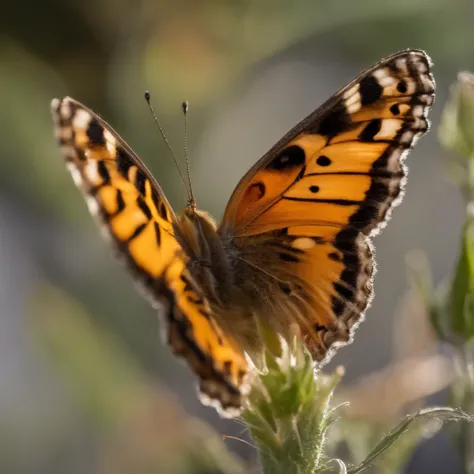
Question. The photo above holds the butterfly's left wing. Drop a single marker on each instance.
(137, 219)
(304, 214)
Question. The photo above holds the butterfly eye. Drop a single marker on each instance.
(291, 157)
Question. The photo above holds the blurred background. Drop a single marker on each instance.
(86, 384)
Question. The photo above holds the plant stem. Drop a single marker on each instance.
(289, 412)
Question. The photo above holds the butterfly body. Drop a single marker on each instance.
(293, 253)
(232, 288)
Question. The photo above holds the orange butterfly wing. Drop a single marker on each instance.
(137, 218)
(304, 214)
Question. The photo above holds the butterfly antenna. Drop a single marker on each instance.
(192, 201)
(165, 138)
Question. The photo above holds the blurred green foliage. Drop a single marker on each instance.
(142, 428)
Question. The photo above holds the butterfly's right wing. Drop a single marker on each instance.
(305, 213)
(135, 215)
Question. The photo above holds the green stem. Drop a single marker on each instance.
(298, 451)
(470, 180)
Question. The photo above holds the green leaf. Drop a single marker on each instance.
(461, 300)
(433, 299)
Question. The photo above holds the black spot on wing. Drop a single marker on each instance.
(402, 87)
(157, 233)
(288, 257)
(290, 157)
(370, 130)
(123, 162)
(370, 90)
(144, 207)
(395, 109)
(162, 210)
(120, 201)
(335, 122)
(138, 230)
(140, 181)
(95, 132)
(323, 160)
(103, 172)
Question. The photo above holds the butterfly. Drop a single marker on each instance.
(294, 248)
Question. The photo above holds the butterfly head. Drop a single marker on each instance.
(197, 217)
(192, 205)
